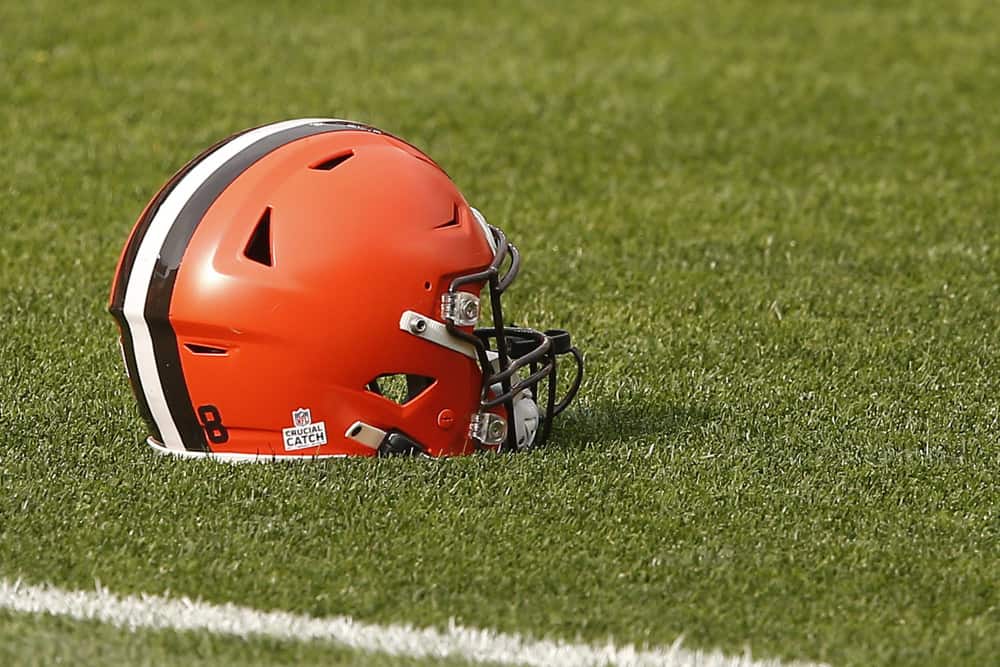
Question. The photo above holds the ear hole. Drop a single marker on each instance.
(335, 161)
(427, 285)
(259, 246)
(400, 388)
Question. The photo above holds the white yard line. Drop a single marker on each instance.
(157, 612)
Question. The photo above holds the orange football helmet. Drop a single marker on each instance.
(281, 281)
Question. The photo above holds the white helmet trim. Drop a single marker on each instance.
(481, 219)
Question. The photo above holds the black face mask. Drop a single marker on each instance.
(517, 359)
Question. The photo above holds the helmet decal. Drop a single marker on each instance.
(304, 432)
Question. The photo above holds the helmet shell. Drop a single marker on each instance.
(287, 293)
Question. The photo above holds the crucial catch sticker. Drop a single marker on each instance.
(304, 433)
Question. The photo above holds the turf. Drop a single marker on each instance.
(46, 640)
(772, 228)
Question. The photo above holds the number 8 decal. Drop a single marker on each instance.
(211, 419)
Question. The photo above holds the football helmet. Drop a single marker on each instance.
(311, 288)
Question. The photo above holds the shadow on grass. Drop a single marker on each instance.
(610, 421)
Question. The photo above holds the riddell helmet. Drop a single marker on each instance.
(280, 286)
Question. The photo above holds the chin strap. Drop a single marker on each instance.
(526, 419)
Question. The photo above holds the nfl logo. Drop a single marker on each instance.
(302, 417)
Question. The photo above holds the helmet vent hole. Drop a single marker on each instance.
(259, 246)
(400, 388)
(453, 222)
(195, 348)
(330, 163)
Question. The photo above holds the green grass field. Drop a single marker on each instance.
(43, 641)
(773, 227)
